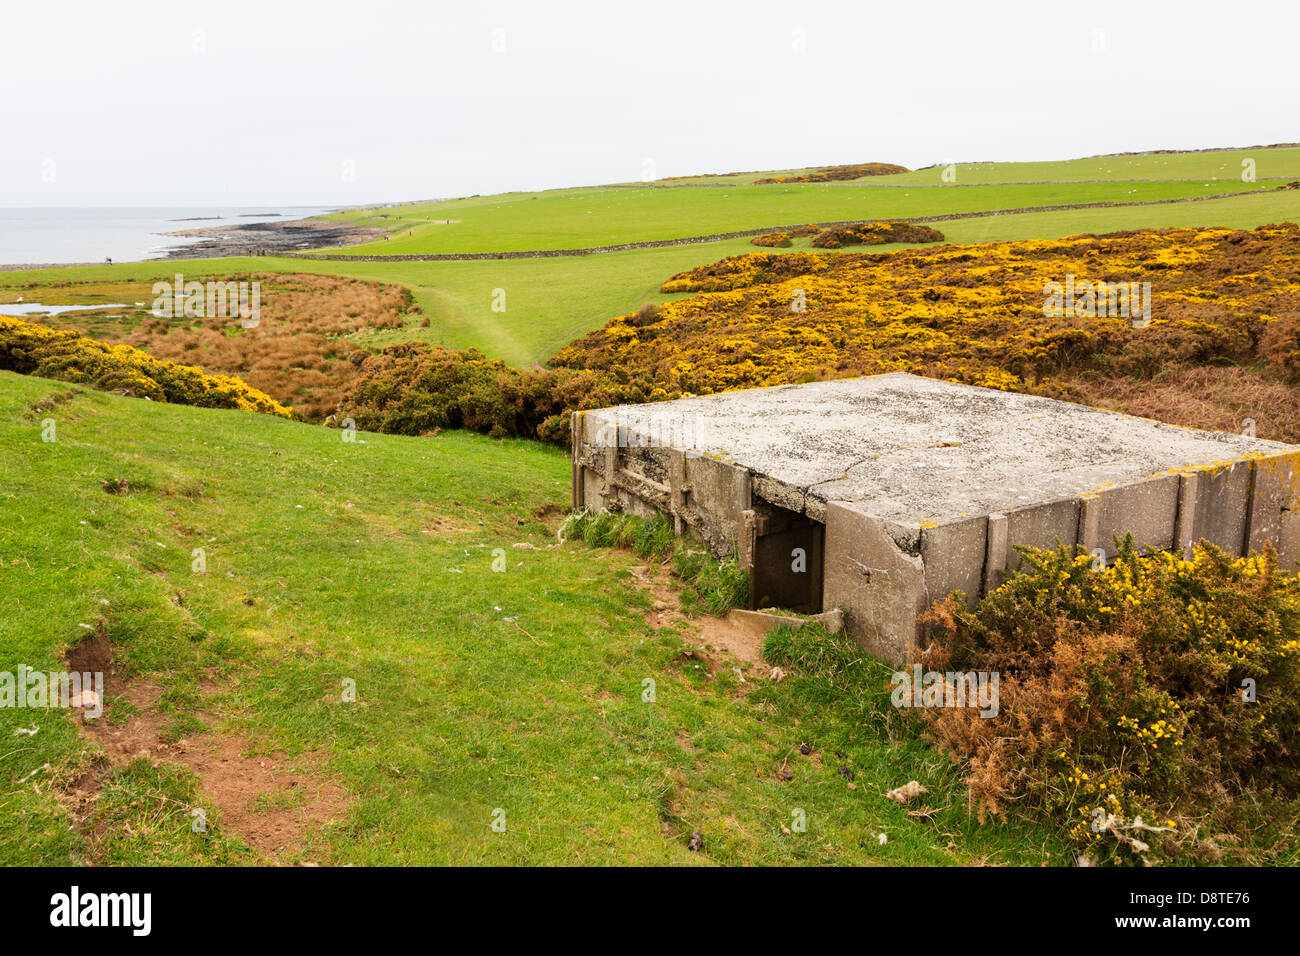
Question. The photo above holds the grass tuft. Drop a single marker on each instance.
(711, 585)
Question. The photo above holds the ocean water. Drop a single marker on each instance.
(63, 235)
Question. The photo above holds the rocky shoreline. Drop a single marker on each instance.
(25, 266)
(268, 238)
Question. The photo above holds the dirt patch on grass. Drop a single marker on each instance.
(93, 654)
(47, 404)
(445, 526)
(551, 515)
(742, 644)
(706, 632)
(269, 800)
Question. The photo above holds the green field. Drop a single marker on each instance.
(1237, 212)
(477, 690)
(1222, 166)
(582, 218)
(550, 301)
(1218, 164)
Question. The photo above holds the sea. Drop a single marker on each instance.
(50, 236)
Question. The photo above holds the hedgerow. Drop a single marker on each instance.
(69, 356)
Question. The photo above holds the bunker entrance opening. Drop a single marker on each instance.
(787, 569)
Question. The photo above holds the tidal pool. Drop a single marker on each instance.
(19, 309)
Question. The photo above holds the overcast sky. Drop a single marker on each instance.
(234, 102)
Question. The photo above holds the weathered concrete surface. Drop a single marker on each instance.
(954, 556)
(880, 588)
(762, 623)
(1146, 509)
(919, 450)
(926, 487)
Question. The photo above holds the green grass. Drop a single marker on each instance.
(1238, 212)
(551, 301)
(581, 218)
(1274, 163)
(709, 585)
(1221, 166)
(477, 690)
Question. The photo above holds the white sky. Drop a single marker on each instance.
(177, 102)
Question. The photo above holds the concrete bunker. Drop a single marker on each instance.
(878, 496)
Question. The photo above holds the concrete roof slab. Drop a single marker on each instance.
(915, 450)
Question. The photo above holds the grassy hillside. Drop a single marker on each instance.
(551, 301)
(477, 690)
(1224, 165)
(579, 218)
(1271, 163)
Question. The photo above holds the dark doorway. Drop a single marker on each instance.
(787, 569)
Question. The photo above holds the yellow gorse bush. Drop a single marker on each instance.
(1158, 688)
(71, 357)
(972, 314)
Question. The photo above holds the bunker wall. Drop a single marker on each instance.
(1238, 506)
(882, 574)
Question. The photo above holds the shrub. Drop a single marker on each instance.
(1280, 346)
(971, 314)
(1222, 343)
(875, 234)
(413, 388)
(68, 356)
(773, 239)
(738, 272)
(1121, 691)
(837, 173)
(648, 314)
